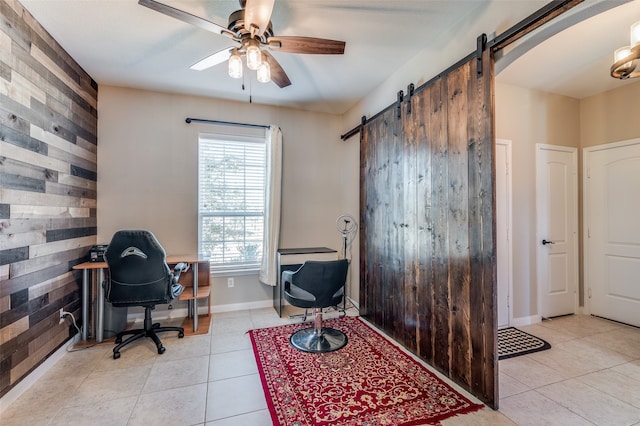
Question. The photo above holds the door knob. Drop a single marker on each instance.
(545, 242)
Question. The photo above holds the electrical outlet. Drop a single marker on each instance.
(230, 282)
(62, 314)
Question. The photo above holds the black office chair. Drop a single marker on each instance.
(317, 285)
(139, 276)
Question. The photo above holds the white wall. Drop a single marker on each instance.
(527, 117)
(610, 117)
(147, 173)
(494, 18)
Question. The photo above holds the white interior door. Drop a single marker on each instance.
(612, 231)
(557, 229)
(503, 231)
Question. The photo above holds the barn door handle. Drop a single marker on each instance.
(545, 242)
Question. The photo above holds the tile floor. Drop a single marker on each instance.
(590, 376)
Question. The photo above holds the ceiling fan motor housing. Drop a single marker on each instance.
(237, 26)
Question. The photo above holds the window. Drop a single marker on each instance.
(231, 181)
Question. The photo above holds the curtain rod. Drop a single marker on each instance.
(224, 123)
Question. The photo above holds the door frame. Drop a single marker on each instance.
(539, 196)
(509, 223)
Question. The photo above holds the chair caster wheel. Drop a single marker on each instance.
(161, 350)
(181, 335)
(116, 355)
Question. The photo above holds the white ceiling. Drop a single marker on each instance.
(119, 42)
(576, 61)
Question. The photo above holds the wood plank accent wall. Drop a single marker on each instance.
(427, 240)
(48, 137)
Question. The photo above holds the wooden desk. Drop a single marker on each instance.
(289, 259)
(191, 293)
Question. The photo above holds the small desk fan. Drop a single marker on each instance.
(348, 228)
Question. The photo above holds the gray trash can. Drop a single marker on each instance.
(115, 320)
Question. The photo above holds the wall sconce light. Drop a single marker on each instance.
(626, 58)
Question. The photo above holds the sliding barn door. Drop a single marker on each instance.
(427, 246)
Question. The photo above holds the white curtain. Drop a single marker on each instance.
(268, 267)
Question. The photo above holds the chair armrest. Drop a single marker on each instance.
(287, 276)
(296, 292)
(340, 292)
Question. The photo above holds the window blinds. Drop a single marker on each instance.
(231, 199)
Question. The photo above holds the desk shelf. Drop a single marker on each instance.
(187, 293)
(93, 274)
(198, 277)
(204, 321)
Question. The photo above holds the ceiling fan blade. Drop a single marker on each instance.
(212, 60)
(185, 17)
(258, 12)
(318, 46)
(278, 76)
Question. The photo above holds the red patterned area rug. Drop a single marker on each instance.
(368, 382)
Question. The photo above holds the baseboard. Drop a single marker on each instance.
(261, 304)
(354, 303)
(183, 312)
(28, 381)
(158, 314)
(521, 321)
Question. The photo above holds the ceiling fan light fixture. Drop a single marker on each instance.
(254, 55)
(264, 72)
(250, 30)
(235, 65)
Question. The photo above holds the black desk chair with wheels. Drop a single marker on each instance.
(139, 276)
(317, 285)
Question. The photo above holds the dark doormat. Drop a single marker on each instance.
(513, 342)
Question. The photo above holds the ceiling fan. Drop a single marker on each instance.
(249, 30)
